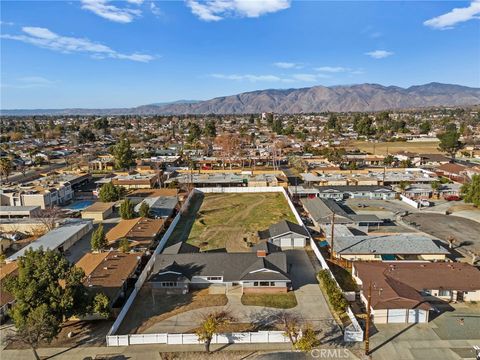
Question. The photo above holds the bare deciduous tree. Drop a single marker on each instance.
(49, 217)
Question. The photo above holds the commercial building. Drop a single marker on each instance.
(60, 238)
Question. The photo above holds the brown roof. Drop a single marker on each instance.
(121, 230)
(153, 192)
(141, 230)
(399, 284)
(451, 168)
(99, 207)
(7, 269)
(110, 274)
(90, 261)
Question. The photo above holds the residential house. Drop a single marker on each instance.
(111, 273)
(264, 270)
(406, 292)
(140, 232)
(388, 247)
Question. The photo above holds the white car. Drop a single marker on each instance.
(425, 203)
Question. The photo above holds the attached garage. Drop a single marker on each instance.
(417, 316)
(396, 316)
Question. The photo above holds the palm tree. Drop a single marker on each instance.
(435, 186)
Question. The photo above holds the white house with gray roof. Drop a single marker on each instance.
(262, 270)
(388, 247)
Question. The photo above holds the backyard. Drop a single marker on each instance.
(230, 221)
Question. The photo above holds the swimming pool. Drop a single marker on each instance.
(79, 205)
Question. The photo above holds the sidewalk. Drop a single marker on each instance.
(152, 351)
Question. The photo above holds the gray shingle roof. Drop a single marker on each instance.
(232, 266)
(284, 227)
(387, 244)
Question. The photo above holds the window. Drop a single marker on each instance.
(272, 283)
(169, 284)
(255, 283)
(214, 278)
(444, 293)
(264, 283)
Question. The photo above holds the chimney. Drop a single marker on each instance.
(261, 253)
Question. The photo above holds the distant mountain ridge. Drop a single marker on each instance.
(342, 98)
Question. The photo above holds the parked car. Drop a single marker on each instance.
(452, 198)
(425, 203)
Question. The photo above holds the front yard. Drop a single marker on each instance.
(278, 301)
(147, 311)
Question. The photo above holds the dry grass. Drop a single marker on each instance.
(394, 147)
(231, 220)
(146, 310)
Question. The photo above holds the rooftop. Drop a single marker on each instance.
(387, 244)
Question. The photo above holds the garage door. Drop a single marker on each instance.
(396, 316)
(413, 316)
(284, 243)
(299, 242)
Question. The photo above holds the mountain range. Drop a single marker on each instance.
(344, 98)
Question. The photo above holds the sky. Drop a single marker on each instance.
(103, 54)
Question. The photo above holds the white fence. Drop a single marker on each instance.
(409, 201)
(241, 189)
(148, 268)
(192, 339)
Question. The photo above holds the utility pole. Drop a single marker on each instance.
(367, 325)
(332, 236)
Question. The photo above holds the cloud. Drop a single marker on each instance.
(47, 39)
(30, 82)
(457, 15)
(379, 54)
(248, 77)
(287, 65)
(155, 9)
(271, 78)
(111, 12)
(215, 10)
(332, 69)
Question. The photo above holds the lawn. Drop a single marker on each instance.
(146, 311)
(430, 147)
(278, 301)
(229, 221)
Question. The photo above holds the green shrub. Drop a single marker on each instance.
(335, 295)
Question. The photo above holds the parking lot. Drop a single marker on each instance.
(464, 231)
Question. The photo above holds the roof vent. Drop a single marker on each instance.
(105, 268)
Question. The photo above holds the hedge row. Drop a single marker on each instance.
(335, 295)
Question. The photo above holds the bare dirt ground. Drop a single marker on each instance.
(393, 147)
(85, 333)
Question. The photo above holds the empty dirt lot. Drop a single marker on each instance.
(463, 230)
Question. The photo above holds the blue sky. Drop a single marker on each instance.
(100, 53)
